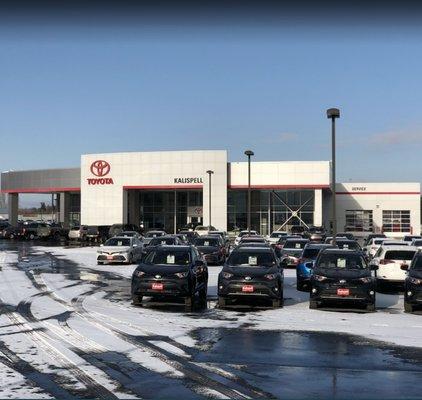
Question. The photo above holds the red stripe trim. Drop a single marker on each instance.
(163, 187)
(375, 193)
(42, 190)
(279, 186)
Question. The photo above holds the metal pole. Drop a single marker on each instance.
(175, 212)
(333, 177)
(209, 201)
(249, 193)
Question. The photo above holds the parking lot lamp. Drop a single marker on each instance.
(333, 113)
(249, 153)
(209, 172)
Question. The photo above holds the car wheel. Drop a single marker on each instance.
(313, 305)
(100, 263)
(276, 303)
(188, 303)
(31, 236)
(12, 236)
(370, 307)
(137, 300)
(221, 302)
(56, 236)
(408, 307)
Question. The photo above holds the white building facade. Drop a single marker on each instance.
(171, 189)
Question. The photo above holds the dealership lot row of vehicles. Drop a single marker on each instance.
(334, 272)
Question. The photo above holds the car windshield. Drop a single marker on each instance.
(253, 240)
(161, 241)
(378, 241)
(399, 254)
(277, 234)
(154, 234)
(206, 242)
(251, 258)
(311, 253)
(295, 244)
(168, 257)
(347, 245)
(341, 261)
(117, 242)
(417, 264)
(417, 242)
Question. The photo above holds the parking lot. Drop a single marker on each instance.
(68, 329)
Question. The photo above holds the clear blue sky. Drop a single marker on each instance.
(69, 90)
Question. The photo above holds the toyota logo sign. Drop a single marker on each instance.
(100, 168)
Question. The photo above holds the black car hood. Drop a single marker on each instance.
(163, 270)
(207, 249)
(250, 271)
(415, 273)
(340, 273)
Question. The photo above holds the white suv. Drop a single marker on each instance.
(275, 237)
(389, 260)
(375, 243)
(243, 233)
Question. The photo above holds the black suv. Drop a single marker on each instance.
(413, 284)
(251, 273)
(342, 276)
(171, 271)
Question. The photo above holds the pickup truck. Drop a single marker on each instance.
(57, 231)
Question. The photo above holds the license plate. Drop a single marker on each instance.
(109, 257)
(157, 286)
(247, 288)
(343, 292)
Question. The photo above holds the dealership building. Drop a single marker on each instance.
(170, 189)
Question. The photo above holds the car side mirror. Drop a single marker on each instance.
(404, 267)
(373, 267)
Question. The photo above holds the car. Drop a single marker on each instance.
(373, 245)
(413, 283)
(254, 244)
(252, 239)
(315, 234)
(212, 248)
(190, 235)
(224, 236)
(97, 233)
(3, 226)
(204, 230)
(417, 243)
(348, 244)
(251, 273)
(306, 263)
(275, 237)
(373, 236)
(78, 233)
(243, 233)
(329, 239)
(183, 238)
(347, 235)
(151, 235)
(130, 234)
(297, 230)
(14, 232)
(119, 249)
(389, 259)
(171, 272)
(117, 229)
(409, 238)
(36, 230)
(291, 251)
(165, 240)
(342, 277)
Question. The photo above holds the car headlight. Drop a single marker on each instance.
(139, 273)
(227, 275)
(270, 276)
(415, 281)
(319, 278)
(366, 279)
(182, 274)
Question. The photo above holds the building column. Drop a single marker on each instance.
(133, 207)
(64, 209)
(13, 208)
(318, 207)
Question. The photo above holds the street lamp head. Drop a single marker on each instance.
(210, 172)
(333, 113)
(249, 153)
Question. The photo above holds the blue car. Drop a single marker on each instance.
(306, 263)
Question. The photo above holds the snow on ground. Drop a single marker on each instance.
(389, 323)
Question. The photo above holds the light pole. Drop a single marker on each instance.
(333, 113)
(209, 172)
(249, 153)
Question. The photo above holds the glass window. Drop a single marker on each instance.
(343, 261)
(396, 220)
(359, 221)
(399, 255)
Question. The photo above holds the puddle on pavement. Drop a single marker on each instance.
(300, 365)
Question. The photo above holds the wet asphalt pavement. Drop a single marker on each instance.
(280, 364)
